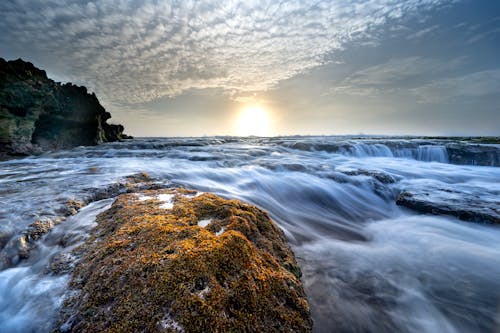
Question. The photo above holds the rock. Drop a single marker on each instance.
(16, 249)
(20, 246)
(469, 139)
(474, 154)
(71, 207)
(38, 228)
(38, 114)
(444, 201)
(172, 261)
(141, 177)
(382, 177)
(61, 263)
(132, 183)
(23, 247)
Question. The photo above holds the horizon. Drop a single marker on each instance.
(400, 68)
(352, 136)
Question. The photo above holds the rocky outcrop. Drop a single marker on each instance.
(474, 154)
(445, 201)
(173, 260)
(38, 114)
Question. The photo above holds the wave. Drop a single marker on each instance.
(369, 264)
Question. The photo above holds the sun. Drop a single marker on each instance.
(253, 120)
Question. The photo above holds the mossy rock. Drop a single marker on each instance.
(198, 263)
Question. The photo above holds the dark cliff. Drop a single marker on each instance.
(38, 114)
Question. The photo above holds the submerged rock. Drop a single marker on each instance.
(175, 261)
(61, 263)
(38, 114)
(133, 183)
(382, 177)
(444, 201)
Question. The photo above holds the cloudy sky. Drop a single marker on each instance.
(188, 68)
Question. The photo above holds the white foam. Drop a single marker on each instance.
(167, 200)
(29, 297)
(141, 197)
(204, 223)
(168, 323)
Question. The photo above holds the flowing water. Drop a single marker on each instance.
(368, 265)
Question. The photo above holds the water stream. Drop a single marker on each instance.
(369, 265)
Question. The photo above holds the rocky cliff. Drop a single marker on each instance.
(38, 114)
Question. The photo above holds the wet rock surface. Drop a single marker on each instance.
(384, 178)
(474, 154)
(38, 114)
(173, 260)
(446, 201)
(61, 263)
(14, 248)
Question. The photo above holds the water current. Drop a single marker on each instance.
(368, 264)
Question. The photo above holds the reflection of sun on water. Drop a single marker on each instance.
(253, 120)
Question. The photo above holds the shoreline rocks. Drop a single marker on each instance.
(174, 260)
(474, 154)
(38, 114)
(14, 248)
(444, 201)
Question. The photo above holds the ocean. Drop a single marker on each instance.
(368, 264)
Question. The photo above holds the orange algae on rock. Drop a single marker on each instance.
(152, 269)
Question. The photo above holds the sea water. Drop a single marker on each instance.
(368, 264)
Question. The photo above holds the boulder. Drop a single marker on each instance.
(38, 114)
(175, 261)
(446, 201)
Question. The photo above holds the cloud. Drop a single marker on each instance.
(461, 88)
(480, 36)
(423, 32)
(424, 80)
(393, 75)
(393, 70)
(137, 51)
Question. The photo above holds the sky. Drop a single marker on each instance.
(212, 67)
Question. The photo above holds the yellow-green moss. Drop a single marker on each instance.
(149, 269)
